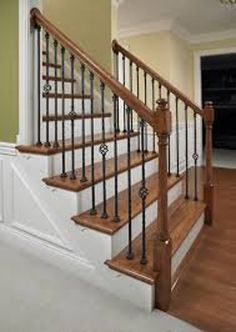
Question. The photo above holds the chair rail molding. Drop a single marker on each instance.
(25, 74)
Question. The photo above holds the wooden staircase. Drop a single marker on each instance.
(113, 150)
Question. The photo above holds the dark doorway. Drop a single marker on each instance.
(219, 86)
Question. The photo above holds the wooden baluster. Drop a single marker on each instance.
(162, 243)
(209, 185)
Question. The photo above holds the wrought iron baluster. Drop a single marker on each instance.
(137, 93)
(83, 177)
(55, 144)
(186, 154)
(131, 90)
(116, 202)
(103, 150)
(160, 91)
(63, 173)
(143, 192)
(93, 209)
(124, 105)
(177, 134)
(47, 88)
(145, 102)
(130, 254)
(38, 29)
(169, 139)
(117, 103)
(195, 158)
(72, 116)
(153, 108)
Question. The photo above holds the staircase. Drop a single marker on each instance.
(124, 186)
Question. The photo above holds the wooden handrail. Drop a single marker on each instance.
(117, 88)
(118, 48)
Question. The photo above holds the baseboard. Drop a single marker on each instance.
(8, 149)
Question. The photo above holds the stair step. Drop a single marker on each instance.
(44, 150)
(183, 217)
(77, 117)
(66, 95)
(52, 65)
(59, 79)
(76, 185)
(108, 225)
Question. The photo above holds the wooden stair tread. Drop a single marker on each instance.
(76, 185)
(77, 117)
(59, 79)
(181, 222)
(66, 95)
(44, 150)
(108, 225)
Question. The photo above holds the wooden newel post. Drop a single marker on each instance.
(162, 242)
(209, 186)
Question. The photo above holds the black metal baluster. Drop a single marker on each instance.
(177, 135)
(186, 154)
(103, 150)
(47, 88)
(38, 29)
(93, 209)
(137, 93)
(195, 158)
(169, 139)
(72, 116)
(130, 254)
(63, 173)
(116, 202)
(153, 108)
(143, 192)
(131, 90)
(83, 176)
(117, 103)
(55, 144)
(145, 102)
(159, 89)
(124, 105)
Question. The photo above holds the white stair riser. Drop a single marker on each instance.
(77, 106)
(51, 71)
(67, 86)
(77, 128)
(122, 149)
(84, 197)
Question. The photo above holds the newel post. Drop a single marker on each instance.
(208, 185)
(162, 242)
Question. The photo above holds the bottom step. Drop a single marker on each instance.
(183, 216)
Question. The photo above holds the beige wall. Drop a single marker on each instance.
(86, 22)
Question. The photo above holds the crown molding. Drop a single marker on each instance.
(176, 28)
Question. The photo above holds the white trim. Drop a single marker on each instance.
(25, 75)
(117, 3)
(8, 149)
(213, 36)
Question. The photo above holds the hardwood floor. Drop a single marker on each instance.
(205, 295)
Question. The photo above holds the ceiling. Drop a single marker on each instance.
(195, 17)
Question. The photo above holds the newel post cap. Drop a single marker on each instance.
(162, 118)
(209, 112)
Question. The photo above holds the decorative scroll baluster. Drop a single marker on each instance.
(145, 102)
(47, 89)
(103, 150)
(169, 139)
(195, 158)
(153, 108)
(72, 116)
(137, 93)
(63, 173)
(131, 90)
(177, 134)
(116, 202)
(130, 254)
(93, 209)
(38, 29)
(83, 177)
(55, 144)
(143, 192)
(124, 105)
(186, 154)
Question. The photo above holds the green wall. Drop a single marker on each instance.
(8, 70)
